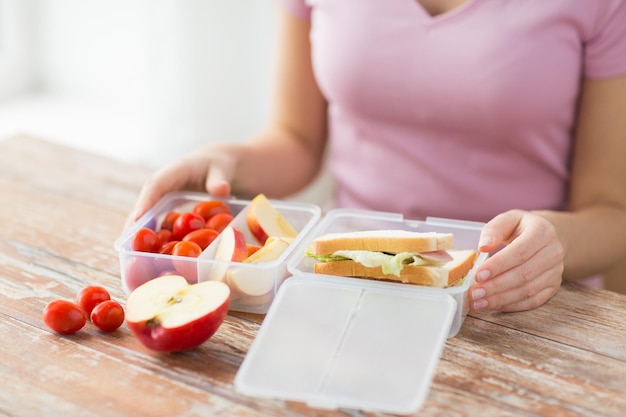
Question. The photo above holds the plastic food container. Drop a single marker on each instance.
(466, 236)
(336, 342)
(254, 286)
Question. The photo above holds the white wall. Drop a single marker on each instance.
(17, 54)
(139, 80)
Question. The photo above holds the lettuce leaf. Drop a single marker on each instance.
(390, 264)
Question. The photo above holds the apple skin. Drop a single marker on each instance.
(182, 338)
(232, 247)
(155, 335)
(249, 282)
(264, 220)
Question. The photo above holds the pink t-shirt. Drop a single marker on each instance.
(462, 115)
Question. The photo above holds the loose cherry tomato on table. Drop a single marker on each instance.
(91, 296)
(145, 240)
(208, 209)
(108, 315)
(203, 237)
(186, 223)
(64, 317)
(219, 221)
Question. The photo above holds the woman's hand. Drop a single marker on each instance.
(209, 169)
(527, 270)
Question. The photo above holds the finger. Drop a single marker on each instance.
(171, 178)
(529, 303)
(499, 230)
(536, 238)
(219, 177)
(509, 291)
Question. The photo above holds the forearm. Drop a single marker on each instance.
(594, 238)
(276, 162)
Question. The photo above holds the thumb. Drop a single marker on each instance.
(219, 177)
(499, 230)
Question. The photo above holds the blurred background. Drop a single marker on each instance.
(139, 80)
(142, 81)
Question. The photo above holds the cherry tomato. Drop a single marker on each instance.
(185, 223)
(168, 220)
(208, 209)
(145, 240)
(167, 247)
(108, 315)
(203, 237)
(187, 268)
(164, 236)
(64, 317)
(187, 248)
(138, 271)
(91, 296)
(219, 221)
(164, 263)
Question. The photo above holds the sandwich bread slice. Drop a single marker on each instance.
(394, 255)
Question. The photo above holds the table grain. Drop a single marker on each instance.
(61, 210)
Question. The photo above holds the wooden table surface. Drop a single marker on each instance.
(61, 210)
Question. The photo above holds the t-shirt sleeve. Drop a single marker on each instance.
(605, 51)
(297, 7)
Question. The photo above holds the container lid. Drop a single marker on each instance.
(348, 343)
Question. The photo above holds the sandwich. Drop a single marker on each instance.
(422, 258)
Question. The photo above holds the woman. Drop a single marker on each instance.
(508, 112)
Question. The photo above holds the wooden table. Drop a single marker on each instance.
(61, 210)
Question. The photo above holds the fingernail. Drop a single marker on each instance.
(478, 293)
(485, 240)
(483, 275)
(480, 304)
(137, 214)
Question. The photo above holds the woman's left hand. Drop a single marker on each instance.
(527, 270)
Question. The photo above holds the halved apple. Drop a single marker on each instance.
(167, 314)
(258, 282)
(264, 220)
(231, 247)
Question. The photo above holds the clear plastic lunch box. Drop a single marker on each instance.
(336, 342)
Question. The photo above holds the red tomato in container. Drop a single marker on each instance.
(186, 223)
(169, 219)
(187, 248)
(208, 209)
(164, 236)
(203, 237)
(63, 316)
(138, 271)
(167, 247)
(219, 221)
(187, 268)
(145, 240)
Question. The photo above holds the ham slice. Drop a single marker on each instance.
(436, 256)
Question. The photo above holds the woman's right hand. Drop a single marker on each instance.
(210, 169)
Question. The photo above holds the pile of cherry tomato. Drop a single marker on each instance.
(181, 233)
(93, 302)
(198, 228)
